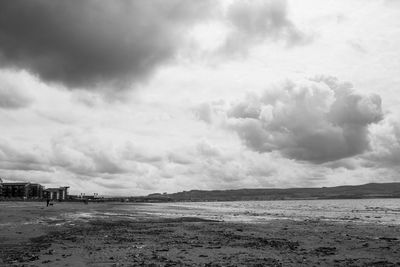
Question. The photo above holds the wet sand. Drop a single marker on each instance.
(34, 235)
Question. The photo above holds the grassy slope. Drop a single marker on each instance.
(360, 191)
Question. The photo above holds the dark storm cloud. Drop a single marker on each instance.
(255, 21)
(319, 121)
(82, 43)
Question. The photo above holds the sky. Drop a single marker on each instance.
(131, 97)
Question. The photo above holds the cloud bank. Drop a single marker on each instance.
(11, 98)
(252, 22)
(386, 143)
(87, 43)
(180, 53)
(13, 95)
(319, 121)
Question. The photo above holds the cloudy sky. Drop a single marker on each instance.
(130, 97)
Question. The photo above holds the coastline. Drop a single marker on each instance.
(34, 235)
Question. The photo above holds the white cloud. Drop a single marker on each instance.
(13, 94)
(386, 143)
(184, 128)
(320, 120)
(252, 22)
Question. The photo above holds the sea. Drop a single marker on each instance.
(382, 211)
(377, 211)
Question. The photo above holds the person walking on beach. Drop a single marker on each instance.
(47, 202)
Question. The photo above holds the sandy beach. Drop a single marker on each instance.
(74, 234)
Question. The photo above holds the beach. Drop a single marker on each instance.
(104, 234)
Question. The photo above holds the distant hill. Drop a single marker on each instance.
(372, 190)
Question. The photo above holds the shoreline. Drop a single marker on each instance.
(123, 199)
(37, 236)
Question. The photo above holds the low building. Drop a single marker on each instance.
(1, 188)
(26, 190)
(35, 191)
(60, 193)
(21, 191)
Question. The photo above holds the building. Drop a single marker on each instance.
(60, 193)
(35, 191)
(26, 190)
(21, 191)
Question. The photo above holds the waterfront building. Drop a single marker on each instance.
(60, 193)
(26, 190)
(21, 190)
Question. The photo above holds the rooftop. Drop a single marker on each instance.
(16, 184)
